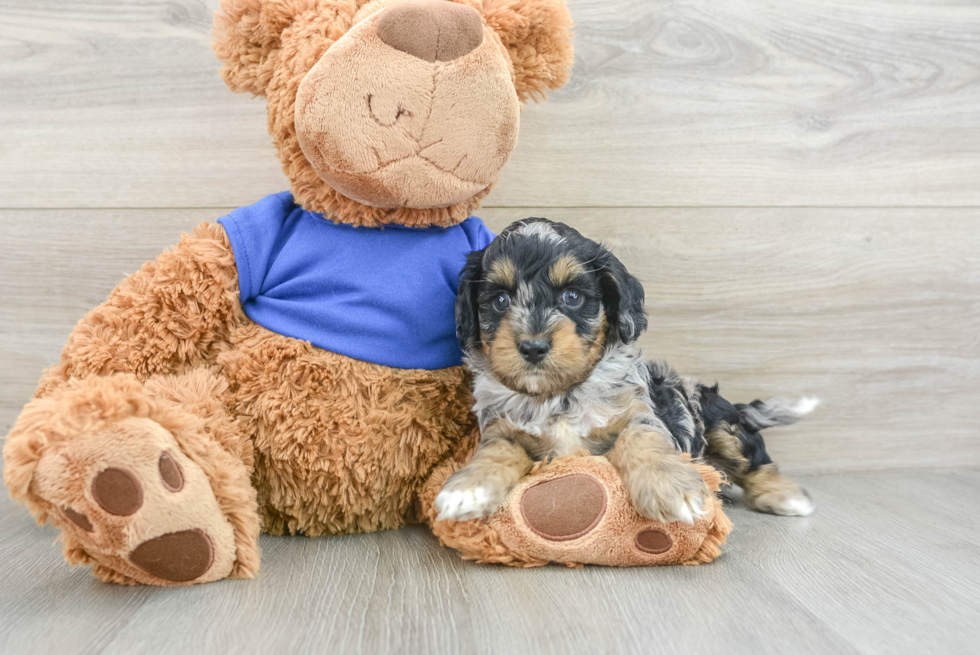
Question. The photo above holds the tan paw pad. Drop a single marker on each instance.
(117, 491)
(563, 508)
(176, 556)
(131, 499)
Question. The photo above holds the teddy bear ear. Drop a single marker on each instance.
(538, 37)
(246, 38)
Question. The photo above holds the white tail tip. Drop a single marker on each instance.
(804, 406)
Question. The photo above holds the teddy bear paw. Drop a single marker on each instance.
(576, 510)
(134, 502)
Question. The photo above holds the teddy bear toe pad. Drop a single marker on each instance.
(176, 556)
(117, 491)
(563, 508)
(653, 540)
(136, 504)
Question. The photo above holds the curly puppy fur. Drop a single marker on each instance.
(547, 320)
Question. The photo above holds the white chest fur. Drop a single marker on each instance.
(558, 435)
(562, 424)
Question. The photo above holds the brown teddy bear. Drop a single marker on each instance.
(294, 368)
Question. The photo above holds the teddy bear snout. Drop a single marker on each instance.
(432, 30)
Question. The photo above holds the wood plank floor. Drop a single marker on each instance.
(888, 564)
(796, 183)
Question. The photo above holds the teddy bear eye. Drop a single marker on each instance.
(501, 302)
(572, 299)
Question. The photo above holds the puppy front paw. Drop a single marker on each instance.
(463, 498)
(464, 504)
(668, 491)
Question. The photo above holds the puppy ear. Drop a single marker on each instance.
(538, 38)
(467, 305)
(622, 298)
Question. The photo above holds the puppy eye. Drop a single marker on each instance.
(572, 299)
(501, 302)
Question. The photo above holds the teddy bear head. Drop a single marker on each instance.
(393, 111)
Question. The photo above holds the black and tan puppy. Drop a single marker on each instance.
(547, 320)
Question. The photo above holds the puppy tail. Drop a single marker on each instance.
(759, 415)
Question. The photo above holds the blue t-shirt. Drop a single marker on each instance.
(381, 295)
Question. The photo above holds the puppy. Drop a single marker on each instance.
(547, 320)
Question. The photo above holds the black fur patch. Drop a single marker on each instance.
(467, 325)
(533, 246)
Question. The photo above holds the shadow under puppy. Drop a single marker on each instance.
(547, 320)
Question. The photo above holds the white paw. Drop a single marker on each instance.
(784, 502)
(793, 506)
(464, 504)
(685, 508)
(667, 499)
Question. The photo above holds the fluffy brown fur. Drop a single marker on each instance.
(333, 445)
(341, 445)
(265, 430)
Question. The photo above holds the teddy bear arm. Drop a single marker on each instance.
(168, 317)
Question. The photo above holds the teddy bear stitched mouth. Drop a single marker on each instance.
(418, 155)
(402, 111)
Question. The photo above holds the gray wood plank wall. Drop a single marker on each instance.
(797, 185)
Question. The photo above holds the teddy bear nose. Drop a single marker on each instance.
(433, 30)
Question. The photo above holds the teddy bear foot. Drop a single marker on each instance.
(138, 485)
(137, 505)
(576, 510)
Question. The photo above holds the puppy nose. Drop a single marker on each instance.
(433, 30)
(534, 351)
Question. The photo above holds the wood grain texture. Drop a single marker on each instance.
(114, 103)
(872, 310)
(693, 104)
(887, 565)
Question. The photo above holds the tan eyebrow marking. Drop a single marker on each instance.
(503, 272)
(565, 270)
